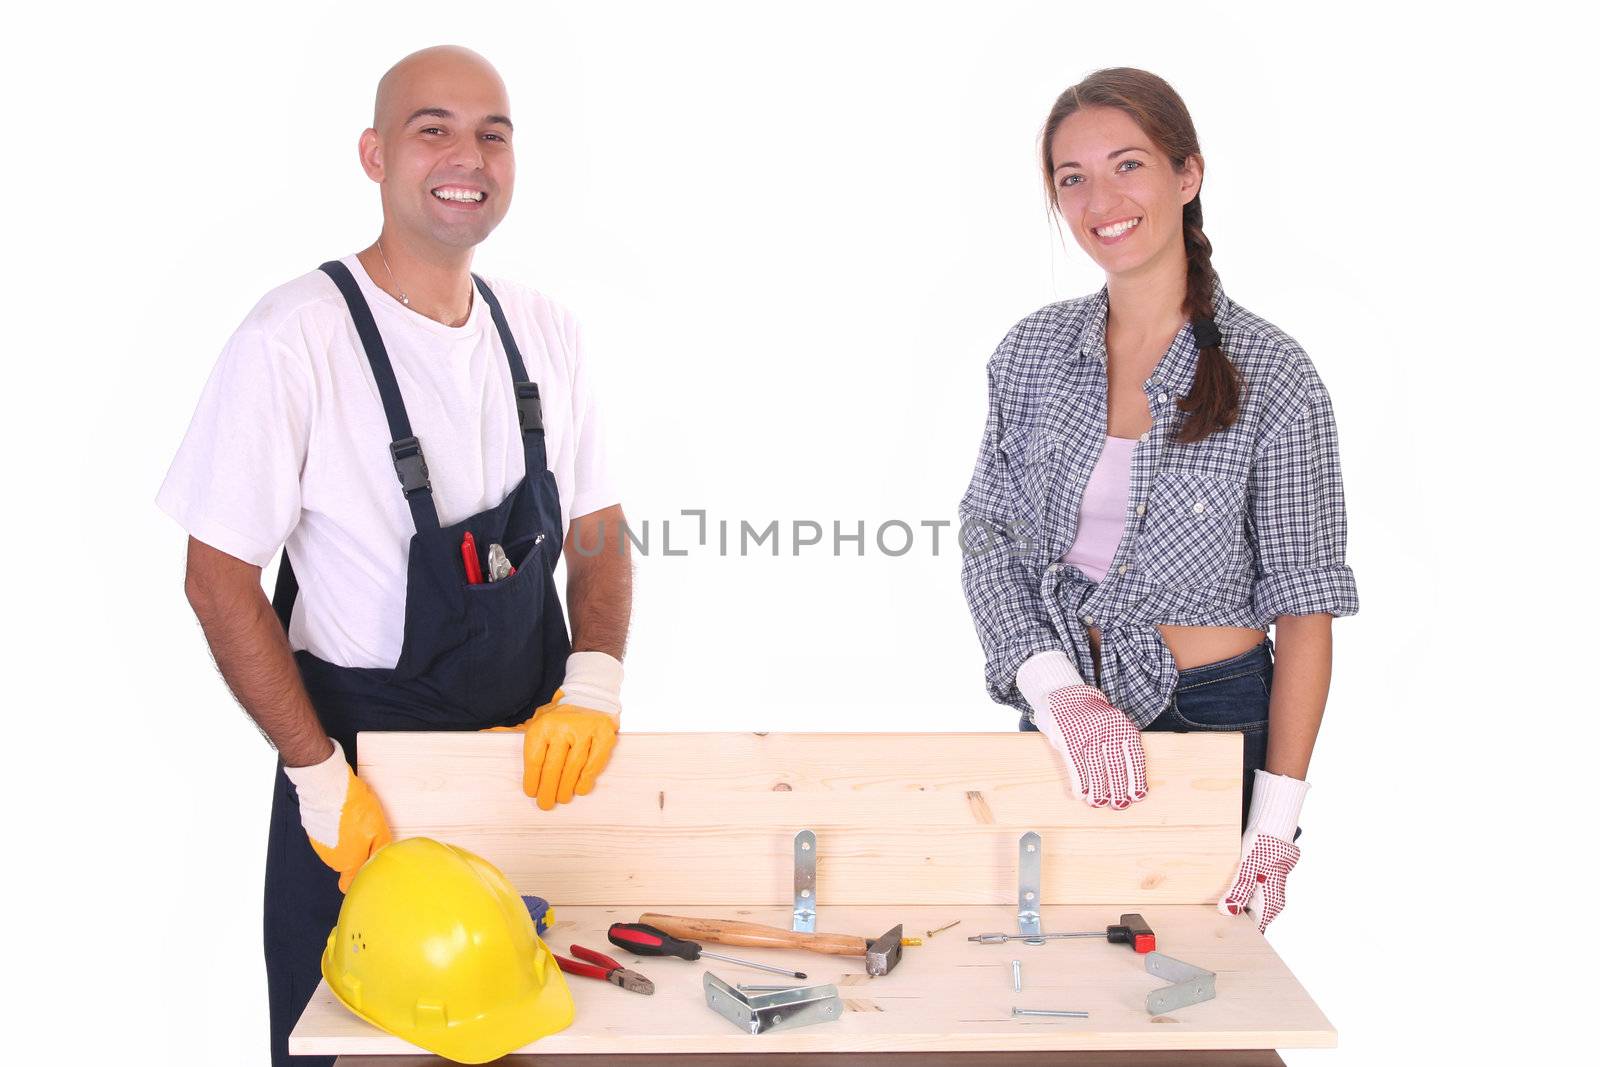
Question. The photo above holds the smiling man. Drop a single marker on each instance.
(425, 445)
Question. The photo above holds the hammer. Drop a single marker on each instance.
(882, 953)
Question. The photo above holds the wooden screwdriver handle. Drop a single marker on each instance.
(754, 935)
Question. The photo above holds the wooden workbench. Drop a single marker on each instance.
(919, 829)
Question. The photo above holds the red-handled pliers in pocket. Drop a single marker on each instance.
(606, 969)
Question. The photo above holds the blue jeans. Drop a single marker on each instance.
(1230, 694)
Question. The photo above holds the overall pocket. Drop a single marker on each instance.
(523, 552)
(504, 661)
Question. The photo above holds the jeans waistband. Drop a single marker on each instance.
(1258, 658)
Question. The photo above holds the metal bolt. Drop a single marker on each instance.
(1051, 1014)
(1016, 975)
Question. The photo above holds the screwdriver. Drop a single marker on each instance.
(1133, 930)
(648, 941)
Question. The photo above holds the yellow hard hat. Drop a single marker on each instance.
(434, 946)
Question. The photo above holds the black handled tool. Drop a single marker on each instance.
(648, 941)
(1133, 930)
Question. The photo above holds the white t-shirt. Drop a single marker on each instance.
(289, 444)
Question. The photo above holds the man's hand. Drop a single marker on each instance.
(1103, 749)
(1268, 852)
(568, 741)
(340, 814)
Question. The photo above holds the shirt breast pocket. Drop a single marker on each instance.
(1190, 531)
(1030, 459)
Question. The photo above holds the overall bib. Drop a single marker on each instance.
(472, 656)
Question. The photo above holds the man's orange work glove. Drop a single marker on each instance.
(568, 741)
(341, 816)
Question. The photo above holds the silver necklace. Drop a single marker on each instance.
(396, 282)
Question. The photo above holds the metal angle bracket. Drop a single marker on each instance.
(1030, 862)
(805, 882)
(779, 1010)
(1190, 984)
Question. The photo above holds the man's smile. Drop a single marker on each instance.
(460, 196)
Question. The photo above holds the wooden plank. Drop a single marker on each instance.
(949, 995)
(709, 819)
(1230, 1058)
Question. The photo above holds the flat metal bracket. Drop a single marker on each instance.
(782, 1009)
(1190, 984)
(805, 882)
(1030, 862)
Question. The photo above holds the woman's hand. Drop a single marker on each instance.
(1268, 852)
(1102, 747)
(1258, 884)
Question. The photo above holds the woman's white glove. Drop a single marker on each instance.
(1268, 852)
(1103, 749)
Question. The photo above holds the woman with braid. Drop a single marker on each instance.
(1162, 468)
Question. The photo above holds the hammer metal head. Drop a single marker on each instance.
(883, 955)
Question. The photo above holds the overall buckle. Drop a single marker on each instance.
(529, 412)
(409, 465)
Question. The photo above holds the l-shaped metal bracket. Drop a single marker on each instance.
(1191, 984)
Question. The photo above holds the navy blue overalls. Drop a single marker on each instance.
(473, 656)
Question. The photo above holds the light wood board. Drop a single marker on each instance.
(1169, 1058)
(920, 829)
(949, 994)
(900, 819)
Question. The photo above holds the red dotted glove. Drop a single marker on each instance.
(1103, 748)
(1268, 852)
(1258, 887)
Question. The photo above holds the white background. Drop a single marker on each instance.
(795, 233)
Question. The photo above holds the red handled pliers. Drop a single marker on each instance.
(606, 969)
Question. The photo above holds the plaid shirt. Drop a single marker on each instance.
(1235, 530)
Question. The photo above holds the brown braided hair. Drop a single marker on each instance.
(1213, 401)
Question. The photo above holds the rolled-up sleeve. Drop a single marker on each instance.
(1297, 515)
(1001, 587)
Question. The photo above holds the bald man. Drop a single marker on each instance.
(425, 445)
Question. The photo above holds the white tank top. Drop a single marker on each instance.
(1104, 511)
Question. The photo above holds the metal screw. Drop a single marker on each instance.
(1016, 975)
(1051, 1014)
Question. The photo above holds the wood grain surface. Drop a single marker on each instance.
(703, 819)
(917, 829)
(947, 995)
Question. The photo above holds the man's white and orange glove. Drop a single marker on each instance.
(568, 741)
(1268, 852)
(1103, 749)
(341, 816)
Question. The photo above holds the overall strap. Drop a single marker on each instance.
(529, 411)
(404, 449)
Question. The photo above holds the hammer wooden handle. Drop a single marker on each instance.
(754, 935)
